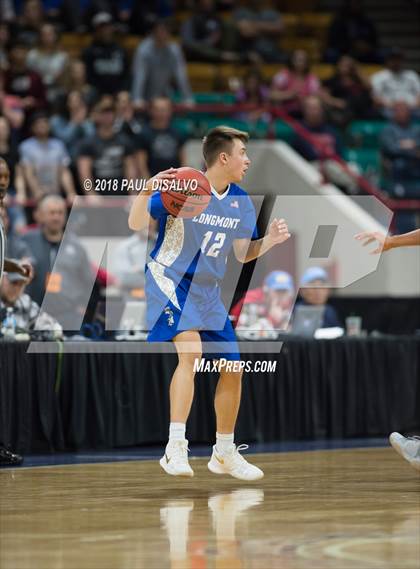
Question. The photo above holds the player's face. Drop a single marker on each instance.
(237, 161)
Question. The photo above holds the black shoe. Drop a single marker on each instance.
(7, 458)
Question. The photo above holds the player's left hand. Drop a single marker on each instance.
(381, 239)
(278, 231)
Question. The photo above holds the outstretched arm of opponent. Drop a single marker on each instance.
(387, 242)
(247, 250)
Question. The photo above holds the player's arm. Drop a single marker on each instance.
(387, 242)
(139, 217)
(246, 250)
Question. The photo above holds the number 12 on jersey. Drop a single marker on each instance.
(214, 249)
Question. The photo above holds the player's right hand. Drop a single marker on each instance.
(169, 174)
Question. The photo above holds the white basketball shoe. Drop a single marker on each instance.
(234, 464)
(175, 459)
(407, 447)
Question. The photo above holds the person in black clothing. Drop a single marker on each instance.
(7, 457)
(108, 155)
(106, 61)
(353, 33)
(160, 146)
(23, 83)
(347, 93)
(127, 121)
(205, 37)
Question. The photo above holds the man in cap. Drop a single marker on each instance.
(106, 61)
(315, 291)
(273, 301)
(26, 311)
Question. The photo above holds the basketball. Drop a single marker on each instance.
(187, 195)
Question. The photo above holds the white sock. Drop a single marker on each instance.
(176, 431)
(224, 443)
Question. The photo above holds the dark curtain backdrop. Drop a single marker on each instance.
(321, 389)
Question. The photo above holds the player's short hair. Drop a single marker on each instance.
(220, 139)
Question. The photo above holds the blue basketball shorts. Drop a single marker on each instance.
(173, 308)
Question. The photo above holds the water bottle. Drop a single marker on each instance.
(9, 325)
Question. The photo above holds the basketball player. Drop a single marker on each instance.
(6, 457)
(183, 297)
(407, 447)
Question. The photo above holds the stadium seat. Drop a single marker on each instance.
(214, 98)
(282, 131)
(366, 133)
(185, 126)
(368, 159)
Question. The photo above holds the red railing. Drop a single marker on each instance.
(277, 113)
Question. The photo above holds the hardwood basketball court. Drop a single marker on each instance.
(339, 509)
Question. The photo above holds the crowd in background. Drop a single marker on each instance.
(108, 116)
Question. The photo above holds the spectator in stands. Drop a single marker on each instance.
(4, 45)
(26, 311)
(320, 144)
(347, 93)
(292, 85)
(396, 84)
(45, 162)
(129, 259)
(259, 27)
(76, 80)
(127, 120)
(400, 146)
(158, 66)
(48, 60)
(314, 291)
(73, 125)
(24, 85)
(106, 61)
(352, 33)
(7, 11)
(205, 36)
(253, 91)
(160, 146)
(30, 22)
(17, 191)
(106, 155)
(272, 302)
(16, 248)
(66, 277)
